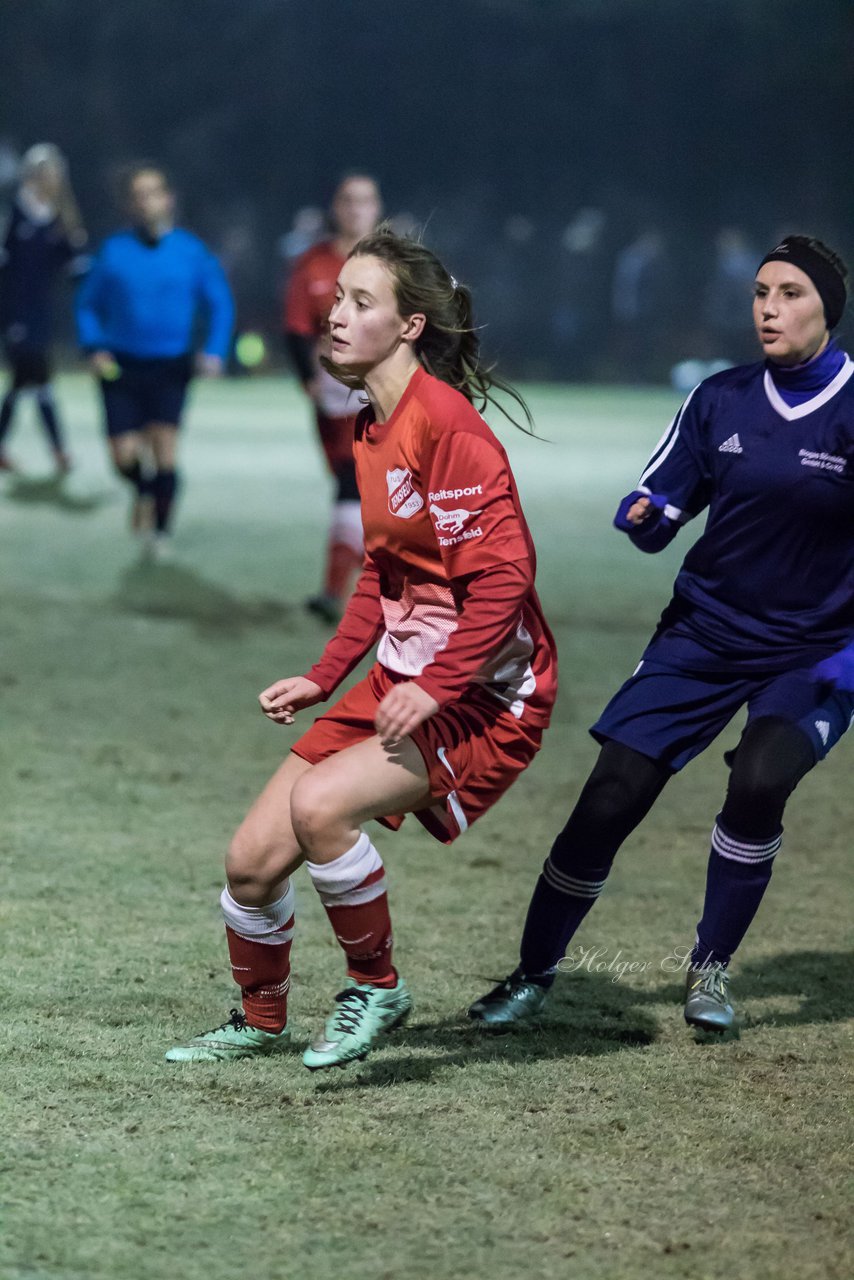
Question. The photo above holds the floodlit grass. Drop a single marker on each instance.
(610, 1143)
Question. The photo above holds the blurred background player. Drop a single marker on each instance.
(136, 317)
(45, 235)
(762, 615)
(730, 282)
(456, 704)
(355, 211)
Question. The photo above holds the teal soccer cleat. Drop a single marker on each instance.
(513, 1001)
(707, 1003)
(362, 1014)
(234, 1039)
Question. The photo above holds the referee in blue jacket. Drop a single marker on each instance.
(137, 313)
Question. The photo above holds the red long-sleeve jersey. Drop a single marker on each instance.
(448, 581)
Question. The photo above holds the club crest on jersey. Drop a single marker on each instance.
(403, 499)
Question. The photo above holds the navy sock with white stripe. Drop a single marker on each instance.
(738, 874)
(615, 798)
(559, 904)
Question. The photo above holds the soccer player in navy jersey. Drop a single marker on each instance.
(762, 616)
(44, 237)
(136, 317)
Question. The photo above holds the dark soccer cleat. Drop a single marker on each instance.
(707, 1003)
(513, 1001)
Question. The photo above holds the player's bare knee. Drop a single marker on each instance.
(315, 812)
(121, 462)
(251, 865)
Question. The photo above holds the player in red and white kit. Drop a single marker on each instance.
(465, 678)
(310, 294)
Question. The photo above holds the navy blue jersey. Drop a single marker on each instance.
(35, 249)
(142, 298)
(770, 582)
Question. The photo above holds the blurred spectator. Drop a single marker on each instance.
(9, 166)
(579, 300)
(236, 243)
(729, 287)
(510, 297)
(306, 229)
(642, 304)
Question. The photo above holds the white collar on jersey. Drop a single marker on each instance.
(792, 411)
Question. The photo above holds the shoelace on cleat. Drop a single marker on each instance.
(513, 986)
(714, 983)
(237, 1020)
(353, 1004)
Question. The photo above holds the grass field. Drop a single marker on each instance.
(610, 1143)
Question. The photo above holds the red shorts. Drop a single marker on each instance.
(473, 749)
(336, 439)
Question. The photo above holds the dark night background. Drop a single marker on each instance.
(492, 122)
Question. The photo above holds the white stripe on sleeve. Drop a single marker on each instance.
(666, 443)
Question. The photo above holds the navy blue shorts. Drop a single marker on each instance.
(145, 391)
(671, 713)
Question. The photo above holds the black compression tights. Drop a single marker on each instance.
(772, 757)
(770, 761)
(619, 793)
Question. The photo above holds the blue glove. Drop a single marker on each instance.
(837, 670)
(658, 501)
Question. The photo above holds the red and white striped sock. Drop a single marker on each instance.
(259, 946)
(353, 891)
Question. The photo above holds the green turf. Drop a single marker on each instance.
(610, 1144)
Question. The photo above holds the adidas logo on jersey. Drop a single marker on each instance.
(823, 727)
(733, 445)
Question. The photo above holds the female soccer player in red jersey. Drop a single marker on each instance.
(356, 206)
(456, 704)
